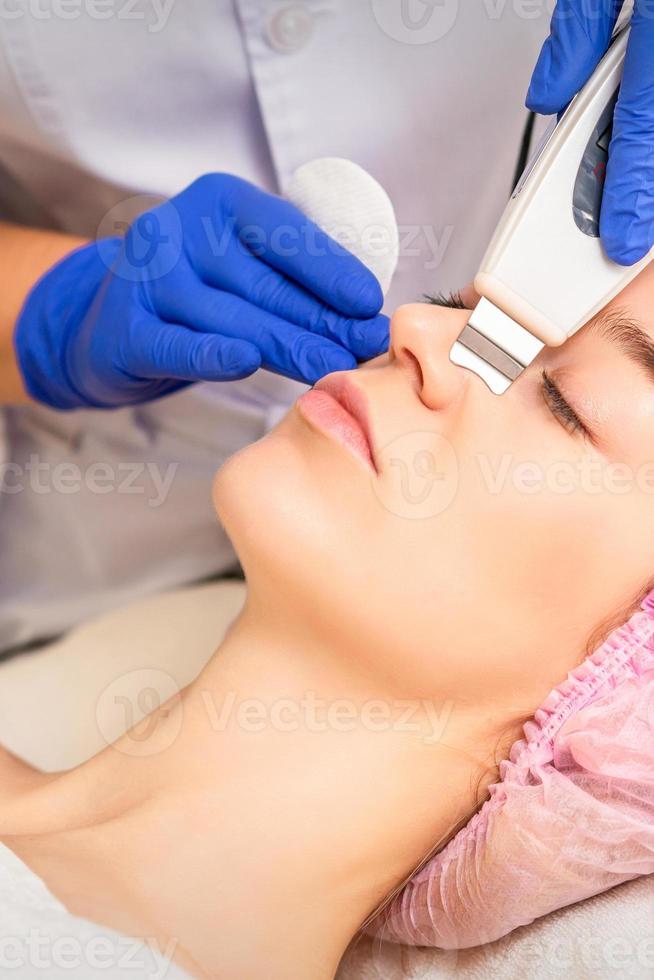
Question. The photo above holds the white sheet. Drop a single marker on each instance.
(603, 938)
(39, 938)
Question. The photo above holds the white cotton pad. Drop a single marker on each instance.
(352, 207)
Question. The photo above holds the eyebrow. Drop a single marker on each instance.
(629, 337)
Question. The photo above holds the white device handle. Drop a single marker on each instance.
(545, 267)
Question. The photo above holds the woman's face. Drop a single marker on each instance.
(456, 542)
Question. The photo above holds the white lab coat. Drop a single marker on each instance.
(103, 101)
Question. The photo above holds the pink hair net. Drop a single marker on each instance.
(572, 814)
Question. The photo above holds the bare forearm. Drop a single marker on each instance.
(25, 255)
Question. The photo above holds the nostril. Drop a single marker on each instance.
(413, 364)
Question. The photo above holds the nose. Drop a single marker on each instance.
(421, 338)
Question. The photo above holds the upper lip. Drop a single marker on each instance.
(354, 401)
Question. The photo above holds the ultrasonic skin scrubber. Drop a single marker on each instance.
(545, 272)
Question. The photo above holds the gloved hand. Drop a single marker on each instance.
(220, 280)
(580, 34)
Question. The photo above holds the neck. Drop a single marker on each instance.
(263, 814)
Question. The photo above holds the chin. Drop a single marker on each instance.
(268, 498)
(287, 504)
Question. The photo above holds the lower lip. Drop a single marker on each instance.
(329, 416)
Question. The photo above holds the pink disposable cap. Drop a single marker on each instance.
(572, 814)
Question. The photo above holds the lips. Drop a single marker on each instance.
(337, 408)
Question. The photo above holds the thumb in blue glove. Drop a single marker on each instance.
(580, 34)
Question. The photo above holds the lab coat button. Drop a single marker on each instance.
(290, 28)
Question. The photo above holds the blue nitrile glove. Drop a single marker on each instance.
(209, 286)
(580, 34)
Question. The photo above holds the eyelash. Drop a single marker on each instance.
(560, 408)
(450, 301)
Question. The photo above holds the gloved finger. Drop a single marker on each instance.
(580, 32)
(284, 347)
(170, 350)
(627, 218)
(259, 284)
(295, 246)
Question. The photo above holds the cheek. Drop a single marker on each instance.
(561, 548)
(518, 571)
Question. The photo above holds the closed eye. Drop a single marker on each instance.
(561, 409)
